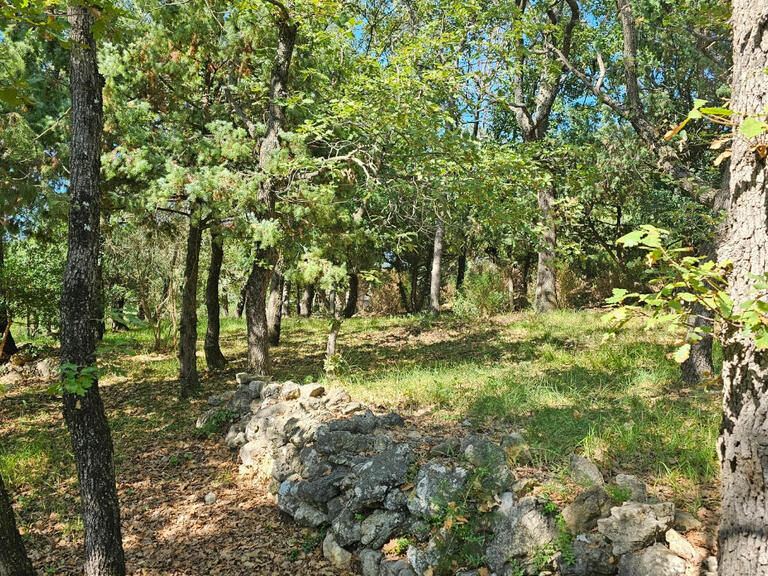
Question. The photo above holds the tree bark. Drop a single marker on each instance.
(241, 301)
(13, 556)
(546, 282)
(188, 377)
(285, 302)
(743, 446)
(84, 414)
(352, 295)
(10, 347)
(256, 319)
(434, 283)
(461, 266)
(275, 308)
(213, 357)
(307, 300)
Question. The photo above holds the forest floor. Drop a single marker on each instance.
(557, 379)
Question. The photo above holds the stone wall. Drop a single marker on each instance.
(335, 465)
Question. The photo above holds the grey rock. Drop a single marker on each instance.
(633, 525)
(636, 487)
(449, 447)
(395, 568)
(370, 561)
(240, 402)
(592, 556)
(309, 515)
(337, 397)
(337, 555)
(436, 484)
(491, 458)
(289, 391)
(654, 561)
(347, 528)
(255, 387)
(206, 417)
(47, 368)
(351, 408)
(271, 390)
(245, 378)
(680, 546)
(377, 528)
(421, 559)
(210, 498)
(235, 438)
(584, 471)
(521, 531)
(396, 500)
(582, 514)
(383, 471)
(685, 521)
(342, 441)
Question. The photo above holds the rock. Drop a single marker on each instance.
(632, 486)
(338, 556)
(633, 525)
(369, 561)
(516, 448)
(395, 568)
(271, 390)
(396, 500)
(351, 408)
(523, 486)
(449, 447)
(244, 378)
(289, 391)
(592, 556)
(382, 472)
(309, 515)
(347, 528)
(422, 559)
(685, 521)
(379, 527)
(680, 546)
(207, 417)
(209, 498)
(47, 368)
(582, 514)
(255, 387)
(654, 561)
(436, 484)
(584, 471)
(10, 380)
(312, 391)
(240, 402)
(337, 397)
(521, 532)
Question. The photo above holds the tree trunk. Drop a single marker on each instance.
(743, 446)
(100, 307)
(275, 308)
(461, 267)
(10, 347)
(546, 283)
(213, 357)
(354, 288)
(285, 302)
(119, 313)
(188, 378)
(307, 300)
(414, 263)
(434, 283)
(84, 414)
(241, 301)
(13, 557)
(256, 319)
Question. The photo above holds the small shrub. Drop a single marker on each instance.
(483, 293)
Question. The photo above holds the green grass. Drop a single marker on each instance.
(619, 401)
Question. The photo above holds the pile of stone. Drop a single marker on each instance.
(333, 463)
(21, 368)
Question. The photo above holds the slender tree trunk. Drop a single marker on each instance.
(10, 347)
(188, 377)
(434, 284)
(461, 267)
(275, 308)
(213, 356)
(84, 414)
(256, 319)
(546, 282)
(13, 557)
(415, 307)
(241, 301)
(352, 295)
(743, 446)
(285, 302)
(307, 301)
(119, 312)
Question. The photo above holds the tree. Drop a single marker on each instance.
(83, 409)
(213, 356)
(743, 446)
(13, 557)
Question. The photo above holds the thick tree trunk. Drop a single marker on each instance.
(84, 414)
(546, 282)
(743, 446)
(13, 557)
(213, 357)
(307, 301)
(434, 282)
(352, 295)
(188, 377)
(275, 308)
(256, 317)
(461, 266)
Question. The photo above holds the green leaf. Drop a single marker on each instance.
(717, 111)
(631, 239)
(682, 353)
(752, 127)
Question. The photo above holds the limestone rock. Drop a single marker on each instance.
(244, 377)
(377, 528)
(633, 525)
(583, 513)
(633, 486)
(522, 530)
(592, 556)
(656, 561)
(346, 527)
(210, 498)
(584, 471)
(312, 390)
(680, 546)
(395, 568)
(491, 458)
(382, 472)
(436, 484)
(289, 391)
(370, 561)
(685, 521)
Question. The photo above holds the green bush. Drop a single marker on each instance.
(483, 293)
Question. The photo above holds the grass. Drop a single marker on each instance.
(555, 378)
